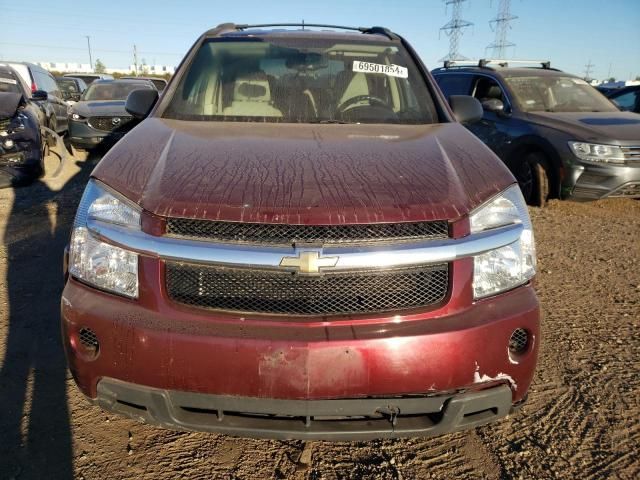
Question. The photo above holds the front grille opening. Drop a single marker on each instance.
(142, 408)
(89, 340)
(107, 124)
(480, 413)
(283, 293)
(429, 418)
(288, 234)
(519, 341)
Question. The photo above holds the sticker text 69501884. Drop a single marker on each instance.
(391, 70)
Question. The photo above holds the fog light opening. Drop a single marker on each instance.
(519, 341)
(88, 342)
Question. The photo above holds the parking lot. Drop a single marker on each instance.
(582, 419)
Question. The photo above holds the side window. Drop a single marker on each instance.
(452, 84)
(486, 88)
(626, 102)
(52, 85)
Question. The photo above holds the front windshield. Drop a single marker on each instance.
(112, 90)
(67, 86)
(302, 81)
(557, 94)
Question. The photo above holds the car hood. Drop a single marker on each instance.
(606, 127)
(100, 108)
(303, 173)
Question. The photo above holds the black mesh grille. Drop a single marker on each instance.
(519, 340)
(321, 234)
(281, 292)
(107, 123)
(88, 338)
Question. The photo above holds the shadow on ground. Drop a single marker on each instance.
(35, 431)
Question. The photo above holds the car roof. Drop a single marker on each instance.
(505, 72)
(106, 81)
(309, 30)
(150, 79)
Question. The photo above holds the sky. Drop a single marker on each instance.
(570, 33)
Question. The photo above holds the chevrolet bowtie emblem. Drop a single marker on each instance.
(309, 262)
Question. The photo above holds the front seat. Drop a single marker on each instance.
(252, 97)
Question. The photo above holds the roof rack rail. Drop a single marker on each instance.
(483, 62)
(369, 30)
(487, 62)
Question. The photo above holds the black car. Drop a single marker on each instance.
(40, 80)
(627, 98)
(21, 145)
(99, 118)
(560, 137)
(89, 78)
(72, 88)
(160, 83)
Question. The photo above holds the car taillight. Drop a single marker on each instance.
(33, 87)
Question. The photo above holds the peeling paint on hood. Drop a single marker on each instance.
(303, 173)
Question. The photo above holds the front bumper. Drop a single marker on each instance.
(152, 343)
(593, 181)
(350, 419)
(84, 137)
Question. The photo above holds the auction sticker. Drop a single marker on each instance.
(391, 70)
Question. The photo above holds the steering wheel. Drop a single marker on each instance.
(359, 98)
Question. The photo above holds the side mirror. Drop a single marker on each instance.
(466, 108)
(39, 95)
(140, 102)
(493, 105)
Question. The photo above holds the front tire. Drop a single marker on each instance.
(533, 178)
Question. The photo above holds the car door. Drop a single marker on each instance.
(497, 128)
(57, 101)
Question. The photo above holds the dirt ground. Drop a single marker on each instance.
(582, 419)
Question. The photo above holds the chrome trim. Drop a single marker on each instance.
(401, 254)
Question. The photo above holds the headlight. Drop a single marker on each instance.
(97, 263)
(592, 152)
(76, 117)
(509, 266)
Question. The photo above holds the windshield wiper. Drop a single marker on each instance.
(342, 122)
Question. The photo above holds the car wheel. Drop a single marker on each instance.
(533, 179)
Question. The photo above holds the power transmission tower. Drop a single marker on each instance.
(454, 30)
(501, 24)
(588, 68)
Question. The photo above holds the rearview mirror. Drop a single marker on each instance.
(140, 102)
(39, 95)
(466, 108)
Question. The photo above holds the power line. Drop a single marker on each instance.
(454, 30)
(501, 24)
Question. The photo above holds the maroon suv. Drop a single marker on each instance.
(301, 240)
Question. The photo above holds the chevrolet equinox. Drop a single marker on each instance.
(301, 240)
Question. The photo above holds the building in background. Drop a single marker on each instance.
(70, 67)
(66, 67)
(153, 69)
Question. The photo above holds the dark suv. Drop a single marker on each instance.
(559, 136)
